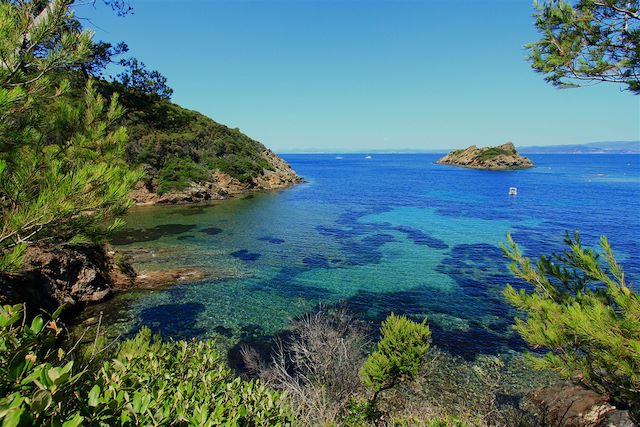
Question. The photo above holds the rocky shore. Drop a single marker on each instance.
(502, 157)
(78, 276)
(222, 186)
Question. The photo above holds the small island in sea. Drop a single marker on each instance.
(502, 157)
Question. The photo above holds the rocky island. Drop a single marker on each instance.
(502, 157)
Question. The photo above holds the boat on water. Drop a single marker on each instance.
(338, 158)
(513, 191)
(367, 157)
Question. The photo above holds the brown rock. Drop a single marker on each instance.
(142, 195)
(164, 278)
(57, 275)
(569, 405)
(502, 157)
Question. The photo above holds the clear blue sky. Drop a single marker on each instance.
(322, 75)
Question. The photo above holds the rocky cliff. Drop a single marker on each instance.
(502, 157)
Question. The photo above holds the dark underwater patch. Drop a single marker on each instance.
(416, 303)
(138, 235)
(173, 320)
(284, 284)
(316, 261)
(190, 210)
(419, 237)
(272, 240)
(211, 231)
(224, 331)
(481, 271)
(186, 237)
(245, 255)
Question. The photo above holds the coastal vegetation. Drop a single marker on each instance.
(177, 146)
(45, 380)
(584, 315)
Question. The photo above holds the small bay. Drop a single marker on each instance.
(394, 233)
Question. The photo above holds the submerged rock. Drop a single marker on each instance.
(502, 157)
(163, 278)
(569, 405)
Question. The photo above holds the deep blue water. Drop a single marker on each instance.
(395, 233)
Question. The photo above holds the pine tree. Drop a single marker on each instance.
(588, 42)
(584, 315)
(62, 174)
(398, 355)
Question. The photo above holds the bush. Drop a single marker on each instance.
(177, 174)
(584, 314)
(144, 381)
(154, 382)
(398, 356)
(36, 376)
(316, 366)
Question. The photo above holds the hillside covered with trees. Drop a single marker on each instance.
(188, 157)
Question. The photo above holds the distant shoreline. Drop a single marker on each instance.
(374, 153)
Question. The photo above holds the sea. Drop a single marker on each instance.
(394, 233)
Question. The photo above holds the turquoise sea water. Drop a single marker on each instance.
(392, 233)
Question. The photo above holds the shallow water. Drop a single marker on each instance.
(393, 233)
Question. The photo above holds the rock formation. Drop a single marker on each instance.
(569, 405)
(222, 185)
(502, 157)
(73, 276)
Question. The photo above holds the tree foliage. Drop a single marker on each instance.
(160, 131)
(62, 174)
(584, 314)
(102, 55)
(136, 77)
(398, 356)
(589, 41)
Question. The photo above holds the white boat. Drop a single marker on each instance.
(367, 157)
(513, 191)
(338, 158)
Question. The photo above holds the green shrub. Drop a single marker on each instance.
(143, 381)
(178, 173)
(585, 315)
(490, 153)
(37, 378)
(154, 382)
(398, 355)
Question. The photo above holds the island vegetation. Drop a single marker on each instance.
(502, 157)
(67, 166)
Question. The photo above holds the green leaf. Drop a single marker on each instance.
(94, 396)
(74, 422)
(37, 324)
(40, 401)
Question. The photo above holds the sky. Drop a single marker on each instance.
(359, 75)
